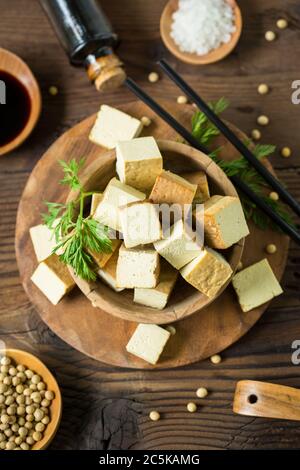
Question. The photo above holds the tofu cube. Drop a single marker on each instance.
(180, 247)
(148, 342)
(43, 241)
(109, 272)
(113, 125)
(208, 272)
(256, 285)
(224, 221)
(138, 267)
(159, 296)
(139, 162)
(96, 199)
(140, 224)
(172, 189)
(52, 277)
(102, 258)
(200, 179)
(116, 195)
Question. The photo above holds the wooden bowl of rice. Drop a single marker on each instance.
(214, 55)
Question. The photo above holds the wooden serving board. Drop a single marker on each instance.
(96, 333)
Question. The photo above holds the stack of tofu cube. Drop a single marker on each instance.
(150, 258)
(151, 255)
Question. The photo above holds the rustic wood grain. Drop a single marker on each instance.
(123, 398)
(267, 400)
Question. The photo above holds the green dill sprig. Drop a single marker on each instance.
(205, 132)
(76, 236)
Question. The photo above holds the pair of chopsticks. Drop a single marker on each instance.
(239, 145)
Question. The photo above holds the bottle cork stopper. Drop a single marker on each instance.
(107, 72)
(109, 80)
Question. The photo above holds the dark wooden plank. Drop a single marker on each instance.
(123, 398)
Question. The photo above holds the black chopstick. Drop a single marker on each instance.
(133, 86)
(264, 207)
(169, 119)
(236, 142)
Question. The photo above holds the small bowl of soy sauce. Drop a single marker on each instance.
(20, 101)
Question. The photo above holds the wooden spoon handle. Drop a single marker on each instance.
(266, 400)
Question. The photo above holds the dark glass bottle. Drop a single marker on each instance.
(88, 38)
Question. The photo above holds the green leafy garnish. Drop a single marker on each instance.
(76, 236)
(205, 132)
(202, 128)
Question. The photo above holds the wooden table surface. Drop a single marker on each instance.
(105, 407)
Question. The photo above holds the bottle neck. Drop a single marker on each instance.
(105, 69)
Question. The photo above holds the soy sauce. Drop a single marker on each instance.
(14, 114)
(82, 27)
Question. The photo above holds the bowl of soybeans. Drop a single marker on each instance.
(30, 402)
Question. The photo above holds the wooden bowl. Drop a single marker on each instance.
(13, 65)
(32, 362)
(185, 300)
(195, 59)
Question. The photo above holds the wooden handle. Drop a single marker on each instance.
(266, 400)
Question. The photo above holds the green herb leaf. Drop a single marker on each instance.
(204, 131)
(54, 210)
(262, 151)
(71, 171)
(96, 236)
(220, 106)
(76, 236)
(75, 256)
